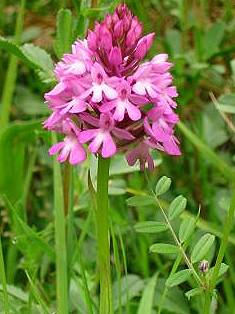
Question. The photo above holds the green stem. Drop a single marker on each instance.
(102, 224)
(186, 259)
(228, 225)
(4, 282)
(11, 74)
(60, 240)
(67, 186)
(207, 302)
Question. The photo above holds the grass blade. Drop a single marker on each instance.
(4, 282)
(37, 295)
(146, 302)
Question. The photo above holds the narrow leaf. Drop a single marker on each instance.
(146, 302)
(163, 248)
(37, 295)
(177, 206)
(3, 281)
(193, 292)
(179, 277)
(150, 227)
(23, 230)
(202, 247)
(63, 32)
(141, 200)
(163, 185)
(223, 269)
(186, 229)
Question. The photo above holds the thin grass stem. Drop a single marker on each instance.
(6, 305)
(9, 84)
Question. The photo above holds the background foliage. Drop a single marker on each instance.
(199, 37)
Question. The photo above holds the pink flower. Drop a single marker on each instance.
(100, 137)
(141, 153)
(123, 103)
(103, 136)
(100, 85)
(69, 149)
(106, 98)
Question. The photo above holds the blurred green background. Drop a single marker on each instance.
(199, 37)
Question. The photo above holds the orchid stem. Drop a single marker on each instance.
(102, 223)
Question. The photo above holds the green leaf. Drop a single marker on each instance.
(193, 292)
(33, 56)
(173, 41)
(187, 227)
(146, 302)
(213, 136)
(30, 103)
(131, 287)
(26, 237)
(37, 295)
(179, 277)
(16, 293)
(223, 269)
(6, 304)
(227, 103)
(177, 206)
(202, 247)
(213, 38)
(163, 248)
(141, 200)
(12, 48)
(150, 227)
(13, 141)
(63, 32)
(174, 299)
(163, 185)
(39, 58)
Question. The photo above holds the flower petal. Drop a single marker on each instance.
(109, 147)
(56, 148)
(77, 154)
(87, 135)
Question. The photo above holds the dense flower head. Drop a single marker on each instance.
(107, 98)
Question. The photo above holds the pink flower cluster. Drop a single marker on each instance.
(107, 98)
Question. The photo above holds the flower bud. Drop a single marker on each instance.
(115, 56)
(105, 38)
(118, 29)
(203, 266)
(92, 40)
(144, 45)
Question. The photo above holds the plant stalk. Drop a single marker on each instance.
(3, 281)
(60, 240)
(207, 302)
(9, 85)
(102, 225)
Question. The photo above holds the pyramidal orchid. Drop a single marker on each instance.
(104, 85)
(107, 100)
